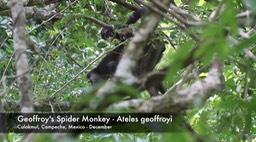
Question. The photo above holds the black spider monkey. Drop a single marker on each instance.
(108, 64)
(146, 63)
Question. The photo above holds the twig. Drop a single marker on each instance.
(178, 17)
(83, 70)
(44, 22)
(246, 83)
(176, 101)
(126, 5)
(9, 62)
(181, 26)
(5, 88)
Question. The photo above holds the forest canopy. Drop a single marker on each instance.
(192, 59)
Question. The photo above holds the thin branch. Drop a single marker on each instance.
(184, 13)
(78, 74)
(125, 4)
(174, 13)
(5, 88)
(215, 14)
(92, 19)
(185, 77)
(47, 53)
(5, 3)
(246, 84)
(176, 101)
(247, 51)
(249, 54)
(131, 55)
(9, 62)
(107, 10)
(83, 70)
(35, 13)
(180, 25)
(55, 15)
(41, 106)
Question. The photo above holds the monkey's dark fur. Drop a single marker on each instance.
(151, 56)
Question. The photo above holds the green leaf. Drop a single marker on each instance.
(179, 58)
(102, 44)
(228, 17)
(245, 43)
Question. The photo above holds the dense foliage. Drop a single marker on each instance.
(71, 43)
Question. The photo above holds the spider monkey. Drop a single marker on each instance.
(146, 63)
(108, 64)
(109, 31)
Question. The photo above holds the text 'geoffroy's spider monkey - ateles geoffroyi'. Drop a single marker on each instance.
(152, 53)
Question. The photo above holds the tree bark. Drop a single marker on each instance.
(20, 47)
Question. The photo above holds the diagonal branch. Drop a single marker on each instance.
(176, 101)
(130, 57)
(39, 14)
(125, 4)
(4, 3)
